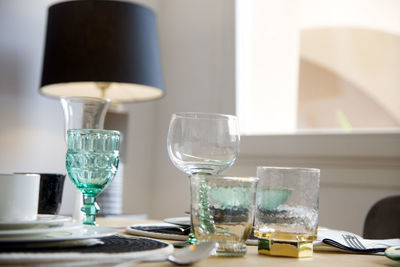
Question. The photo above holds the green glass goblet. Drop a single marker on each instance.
(92, 162)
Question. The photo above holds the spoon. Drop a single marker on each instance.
(185, 256)
(193, 253)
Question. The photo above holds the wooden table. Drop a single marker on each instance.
(252, 258)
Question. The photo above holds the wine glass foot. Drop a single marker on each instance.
(192, 239)
(90, 208)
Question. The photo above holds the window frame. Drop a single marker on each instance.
(365, 149)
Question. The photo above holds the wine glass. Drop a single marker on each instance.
(203, 144)
(92, 161)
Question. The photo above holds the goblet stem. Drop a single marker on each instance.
(205, 217)
(90, 208)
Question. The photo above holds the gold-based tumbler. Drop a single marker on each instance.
(222, 209)
(286, 220)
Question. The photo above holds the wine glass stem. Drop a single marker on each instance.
(205, 216)
(90, 208)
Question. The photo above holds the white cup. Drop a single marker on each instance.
(19, 194)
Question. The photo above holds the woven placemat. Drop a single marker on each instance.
(113, 247)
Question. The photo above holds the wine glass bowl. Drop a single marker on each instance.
(203, 143)
(92, 161)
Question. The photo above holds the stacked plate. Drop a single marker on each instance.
(181, 221)
(48, 228)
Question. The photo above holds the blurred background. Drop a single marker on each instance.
(314, 84)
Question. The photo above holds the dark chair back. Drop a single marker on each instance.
(383, 219)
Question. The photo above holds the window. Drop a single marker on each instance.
(318, 66)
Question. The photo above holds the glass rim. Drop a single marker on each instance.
(94, 131)
(85, 98)
(302, 169)
(42, 173)
(203, 115)
(19, 174)
(249, 179)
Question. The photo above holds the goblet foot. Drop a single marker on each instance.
(192, 239)
(90, 208)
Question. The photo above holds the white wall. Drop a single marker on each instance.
(31, 132)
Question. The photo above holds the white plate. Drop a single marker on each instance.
(84, 232)
(36, 231)
(182, 221)
(41, 221)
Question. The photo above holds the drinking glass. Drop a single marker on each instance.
(92, 162)
(286, 219)
(203, 144)
(223, 211)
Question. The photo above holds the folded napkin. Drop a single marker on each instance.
(329, 239)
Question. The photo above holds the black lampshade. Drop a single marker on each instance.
(94, 44)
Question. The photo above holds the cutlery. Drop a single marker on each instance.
(353, 242)
(185, 256)
(183, 230)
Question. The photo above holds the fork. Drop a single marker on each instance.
(353, 242)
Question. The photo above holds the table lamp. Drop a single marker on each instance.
(99, 48)
(97, 51)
